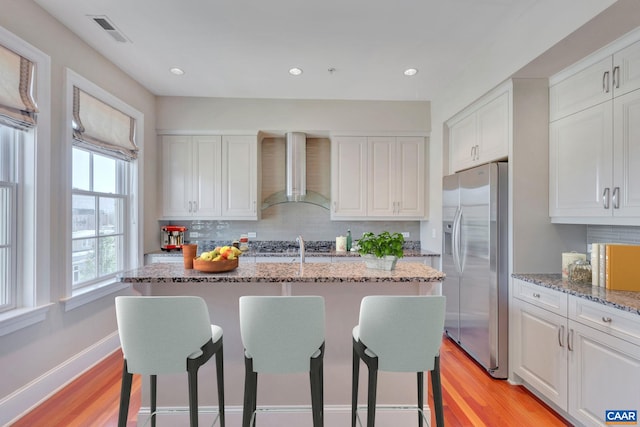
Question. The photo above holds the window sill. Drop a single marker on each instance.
(14, 320)
(91, 294)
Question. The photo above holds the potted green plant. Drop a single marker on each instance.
(381, 251)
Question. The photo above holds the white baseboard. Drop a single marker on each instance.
(280, 416)
(23, 400)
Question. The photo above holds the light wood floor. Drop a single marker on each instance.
(471, 398)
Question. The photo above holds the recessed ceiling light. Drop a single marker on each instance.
(295, 71)
(177, 71)
(410, 72)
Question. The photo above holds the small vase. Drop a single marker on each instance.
(386, 263)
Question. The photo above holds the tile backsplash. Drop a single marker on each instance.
(286, 221)
(613, 234)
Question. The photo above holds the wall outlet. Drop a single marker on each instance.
(252, 234)
(406, 234)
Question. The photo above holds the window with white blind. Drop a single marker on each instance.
(25, 157)
(104, 162)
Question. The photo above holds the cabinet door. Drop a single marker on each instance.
(586, 88)
(177, 176)
(493, 130)
(349, 177)
(410, 167)
(626, 63)
(540, 351)
(207, 176)
(604, 373)
(626, 161)
(239, 177)
(580, 163)
(383, 176)
(462, 141)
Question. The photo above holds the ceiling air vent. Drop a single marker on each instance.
(111, 29)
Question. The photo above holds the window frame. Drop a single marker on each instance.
(33, 222)
(133, 210)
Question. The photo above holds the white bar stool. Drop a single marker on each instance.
(166, 335)
(399, 334)
(282, 334)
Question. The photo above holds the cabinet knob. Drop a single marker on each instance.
(606, 319)
(536, 295)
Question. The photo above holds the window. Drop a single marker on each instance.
(25, 160)
(10, 140)
(99, 203)
(103, 221)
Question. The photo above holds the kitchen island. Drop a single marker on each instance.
(343, 285)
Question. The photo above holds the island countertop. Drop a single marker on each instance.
(406, 272)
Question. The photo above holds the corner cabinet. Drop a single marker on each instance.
(481, 133)
(378, 177)
(209, 177)
(594, 140)
(581, 356)
(190, 176)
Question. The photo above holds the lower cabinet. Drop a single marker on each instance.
(582, 357)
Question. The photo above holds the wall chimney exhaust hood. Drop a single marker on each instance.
(296, 176)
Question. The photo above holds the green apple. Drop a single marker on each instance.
(206, 256)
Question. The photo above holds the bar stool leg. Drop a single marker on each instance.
(315, 377)
(220, 379)
(373, 386)
(250, 391)
(355, 376)
(436, 386)
(153, 381)
(125, 396)
(420, 398)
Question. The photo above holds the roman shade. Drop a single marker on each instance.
(17, 105)
(100, 127)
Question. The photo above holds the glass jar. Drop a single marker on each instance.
(580, 272)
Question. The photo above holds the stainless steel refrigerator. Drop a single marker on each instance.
(475, 261)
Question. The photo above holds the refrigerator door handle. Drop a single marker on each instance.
(456, 239)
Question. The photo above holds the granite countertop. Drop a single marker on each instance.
(285, 272)
(623, 300)
(408, 253)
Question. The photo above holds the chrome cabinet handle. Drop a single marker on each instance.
(195, 206)
(615, 198)
(605, 198)
(473, 152)
(560, 335)
(605, 82)
(606, 319)
(190, 207)
(536, 295)
(335, 206)
(254, 206)
(570, 340)
(477, 152)
(616, 77)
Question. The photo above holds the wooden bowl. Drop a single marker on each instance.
(215, 266)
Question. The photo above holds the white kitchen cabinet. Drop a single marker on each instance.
(579, 355)
(349, 177)
(481, 133)
(582, 86)
(191, 176)
(239, 177)
(594, 162)
(396, 177)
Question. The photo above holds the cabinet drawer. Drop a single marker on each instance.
(553, 301)
(607, 319)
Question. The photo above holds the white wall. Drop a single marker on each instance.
(36, 358)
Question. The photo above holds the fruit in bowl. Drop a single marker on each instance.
(222, 258)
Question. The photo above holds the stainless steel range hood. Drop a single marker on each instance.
(296, 176)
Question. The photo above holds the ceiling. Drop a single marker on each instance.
(347, 49)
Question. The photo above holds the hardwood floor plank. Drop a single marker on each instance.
(471, 398)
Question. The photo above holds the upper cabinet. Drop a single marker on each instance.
(594, 140)
(377, 177)
(209, 177)
(602, 80)
(191, 176)
(481, 133)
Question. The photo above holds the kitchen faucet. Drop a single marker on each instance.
(300, 241)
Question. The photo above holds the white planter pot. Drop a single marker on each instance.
(387, 263)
